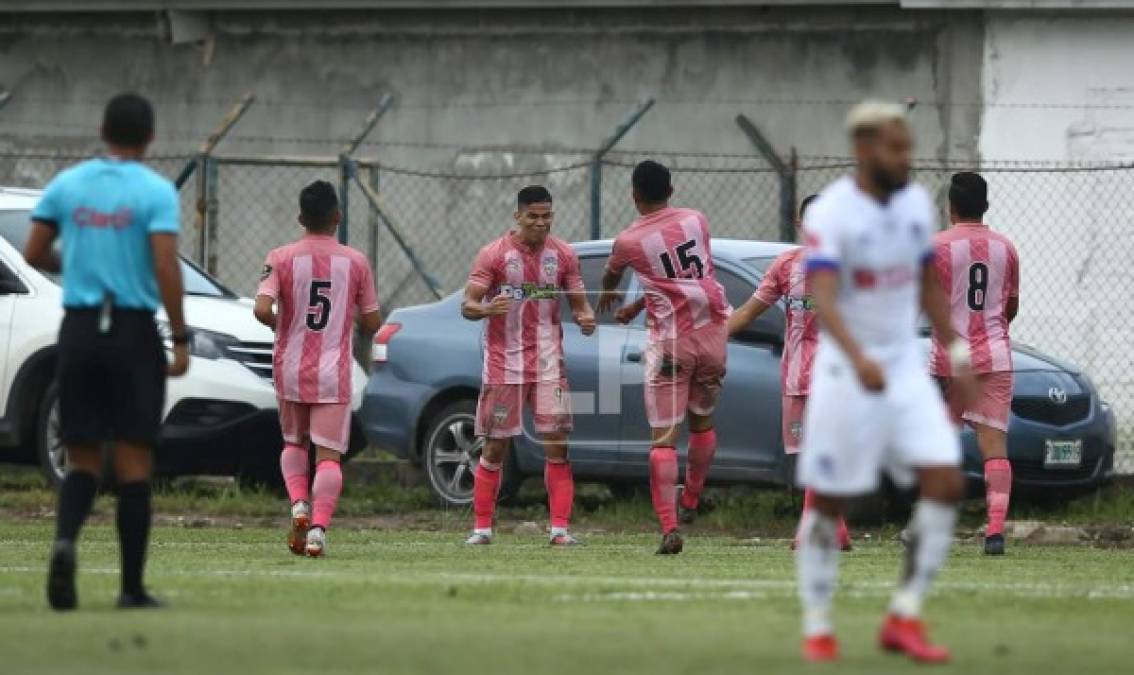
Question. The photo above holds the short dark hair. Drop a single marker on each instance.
(968, 195)
(317, 205)
(128, 121)
(806, 203)
(652, 182)
(532, 194)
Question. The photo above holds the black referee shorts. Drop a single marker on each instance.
(111, 385)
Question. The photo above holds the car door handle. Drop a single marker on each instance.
(632, 354)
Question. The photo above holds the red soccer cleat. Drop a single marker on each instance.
(820, 649)
(907, 636)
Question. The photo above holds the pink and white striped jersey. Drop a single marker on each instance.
(979, 271)
(319, 286)
(670, 250)
(526, 344)
(787, 278)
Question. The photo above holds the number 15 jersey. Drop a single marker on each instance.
(670, 251)
(319, 286)
(979, 271)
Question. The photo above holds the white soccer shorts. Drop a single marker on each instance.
(851, 436)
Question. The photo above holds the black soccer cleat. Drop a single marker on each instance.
(141, 600)
(994, 544)
(686, 516)
(61, 577)
(671, 543)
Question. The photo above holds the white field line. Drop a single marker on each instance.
(687, 588)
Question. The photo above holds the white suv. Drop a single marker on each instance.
(220, 418)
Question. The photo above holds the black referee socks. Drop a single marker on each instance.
(133, 533)
(76, 496)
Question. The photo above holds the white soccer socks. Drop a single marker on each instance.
(817, 566)
(931, 529)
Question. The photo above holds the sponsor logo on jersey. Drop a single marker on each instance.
(885, 278)
(550, 266)
(801, 303)
(531, 291)
(500, 413)
(266, 272)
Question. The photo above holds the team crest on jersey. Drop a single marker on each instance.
(512, 265)
(266, 272)
(550, 266)
(500, 414)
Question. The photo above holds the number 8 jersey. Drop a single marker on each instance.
(670, 251)
(979, 271)
(319, 286)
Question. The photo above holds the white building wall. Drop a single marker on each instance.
(1074, 231)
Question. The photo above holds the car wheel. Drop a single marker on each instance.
(451, 451)
(49, 440)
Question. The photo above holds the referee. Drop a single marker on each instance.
(118, 221)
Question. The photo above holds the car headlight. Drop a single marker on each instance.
(204, 344)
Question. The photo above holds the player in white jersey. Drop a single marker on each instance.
(873, 405)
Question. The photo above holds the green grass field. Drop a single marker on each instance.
(418, 602)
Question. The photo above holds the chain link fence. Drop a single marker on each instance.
(1069, 222)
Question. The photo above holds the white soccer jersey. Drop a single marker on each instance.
(879, 251)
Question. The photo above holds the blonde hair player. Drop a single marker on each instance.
(873, 404)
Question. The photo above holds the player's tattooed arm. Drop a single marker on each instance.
(825, 288)
(610, 296)
(474, 308)
(628, 313)
(747, 313)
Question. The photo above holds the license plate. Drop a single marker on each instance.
(1063, 454)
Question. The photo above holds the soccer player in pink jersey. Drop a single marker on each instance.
(687, 315)
(516, 286)
(787, 279)
(979, 271)
(310, 293)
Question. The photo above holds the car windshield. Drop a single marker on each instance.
(15, 227)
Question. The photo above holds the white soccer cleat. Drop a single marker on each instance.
(316, 542)
(300, 523)
(478, 539)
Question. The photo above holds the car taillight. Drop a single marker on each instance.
(382, 340)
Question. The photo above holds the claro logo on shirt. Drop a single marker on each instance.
(119, 220)
(889, 277)
(531, 291)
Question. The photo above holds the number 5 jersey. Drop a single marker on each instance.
(670, 251)
(979, 271)
(320, 286)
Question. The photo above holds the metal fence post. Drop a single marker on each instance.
(786, 175)
(347, 167)
(212, 208)
(5, 96)
(374, 180)
(207, 184)
(596, 162)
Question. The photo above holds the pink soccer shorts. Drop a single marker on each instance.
(685, 374)
(992, 406)
(499, 412)
(327, 425)
(793, 407)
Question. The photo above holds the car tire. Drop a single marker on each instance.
(450, 452)
(49, 445)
